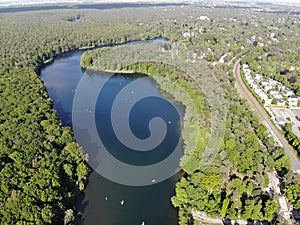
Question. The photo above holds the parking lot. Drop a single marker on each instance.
(285, 115)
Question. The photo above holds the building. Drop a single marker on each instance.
(273, 82)
(280, 102)
(268, 101)
(264, 82)
(245, 66)
(256, 88)
(293, 101)
(186, 34)
(278, 96)
(273, 92)
(268, 87)
(264, 97)
(288, 93)
(258, 77)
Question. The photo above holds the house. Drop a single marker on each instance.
(245, 66)
(278, 96)
(248, 76)
(258, 90)
(273, 92)
(272, 82)
(258, 77)
(247, 71)
(293, 101)
(268, 101)
(284, 93)
(268, 87)
(203, 18)
(263, 96)
(290, 93)
(287, 93)
(255, 87)
(251, 83)
(280, 87)
(186, 34)
(264, 82)
(281, 102)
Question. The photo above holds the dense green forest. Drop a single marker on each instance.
(42, 169)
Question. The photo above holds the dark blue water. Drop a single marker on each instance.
(100, 202)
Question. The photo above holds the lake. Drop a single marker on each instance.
(105, 202)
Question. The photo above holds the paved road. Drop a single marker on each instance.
(295, 163)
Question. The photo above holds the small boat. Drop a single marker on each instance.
(153, 181)
(122, 202)
(169, 122)
(106, 198)
(143, 223)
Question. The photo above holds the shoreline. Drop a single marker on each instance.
(42, 63)
(111, 71)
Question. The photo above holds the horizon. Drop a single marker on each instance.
(29, 2)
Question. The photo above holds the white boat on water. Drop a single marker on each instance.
(122, 202)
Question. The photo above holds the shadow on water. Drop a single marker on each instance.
(64, 115)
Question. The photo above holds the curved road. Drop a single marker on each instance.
(295, 163)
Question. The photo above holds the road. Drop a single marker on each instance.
(241, 87)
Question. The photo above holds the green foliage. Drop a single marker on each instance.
(33, 181)
(42, 168)
(292, 138)
(225, 207)
(270, 209)
(292, 192)
(291, 183)
(47, 214)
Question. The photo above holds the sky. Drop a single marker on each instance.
(5, 2)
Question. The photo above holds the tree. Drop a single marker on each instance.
(69, 217)
(274, 101)
(47, 214)
(225, 207)
(270, 209)
(292, 192)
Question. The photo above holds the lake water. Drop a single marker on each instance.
(101, 200)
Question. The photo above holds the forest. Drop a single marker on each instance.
(43, 169)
